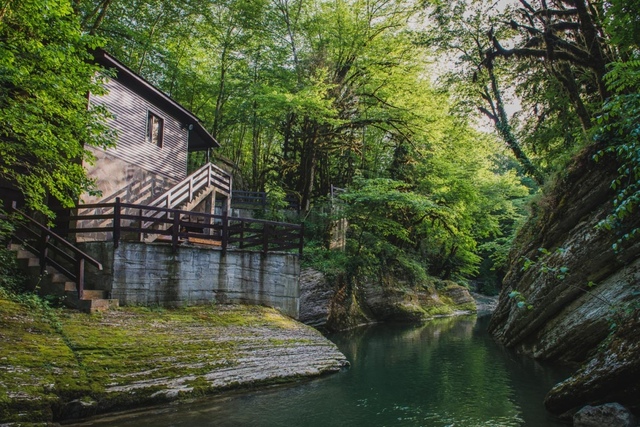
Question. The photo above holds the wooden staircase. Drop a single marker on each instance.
(54, 265)
(58, 284)
(186, 195)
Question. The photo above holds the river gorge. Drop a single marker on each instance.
(444, 372)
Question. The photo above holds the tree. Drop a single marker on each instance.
(462, 30)
(46, 74)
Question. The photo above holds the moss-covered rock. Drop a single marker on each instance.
(69, 364)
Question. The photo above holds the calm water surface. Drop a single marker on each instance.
(447, 372)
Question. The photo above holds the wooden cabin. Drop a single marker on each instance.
(148, 201)
(154, 134)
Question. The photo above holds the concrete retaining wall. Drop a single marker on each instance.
(151, 274)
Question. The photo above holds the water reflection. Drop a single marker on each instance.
(447, 372)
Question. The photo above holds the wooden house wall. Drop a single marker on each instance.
(129, 119)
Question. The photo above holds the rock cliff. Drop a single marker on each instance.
(567, 291)
(333, 304)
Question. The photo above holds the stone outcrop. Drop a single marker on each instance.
(567, 287)
(611, 376)
(60, 365)
(608, 415)
(332, 304)
(315, 297)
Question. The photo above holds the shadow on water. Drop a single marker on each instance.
(446, 372)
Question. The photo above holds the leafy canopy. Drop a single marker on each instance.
(45, 76)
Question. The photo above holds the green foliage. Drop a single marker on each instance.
(331, 263)
(622, 22)
(45, 76)
(305, 95)
(619, 126)
(11, 279)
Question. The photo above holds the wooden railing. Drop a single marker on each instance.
(187, 189)
(127, 222)
(52, 249)
(259, 199)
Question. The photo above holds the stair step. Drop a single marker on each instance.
(93, 305)
(94, 294)
(29, 262)
(58, 277)
(25, 254)
(70, 286)
(15, 247)
(88, 294)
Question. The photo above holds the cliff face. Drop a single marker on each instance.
(336, 306)
(567, 290)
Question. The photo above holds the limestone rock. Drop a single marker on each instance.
(339, 306)
(607, 415)
(458, 294)
(572, 280)
(612, 375)
(315, 297)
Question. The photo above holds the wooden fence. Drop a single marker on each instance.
(125, 221)
(259, 200)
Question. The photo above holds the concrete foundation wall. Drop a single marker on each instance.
(148, 274)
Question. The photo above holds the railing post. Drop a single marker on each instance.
(265, 238)
(80, 277)
(140, 232)
(44, 251)
(116, 223)
(301, 239)
(225, 231)
(176, 231)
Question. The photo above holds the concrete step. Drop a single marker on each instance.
(94, 294)
(57, 277)
(29, 262)
(94, 305)
(25, 254)
(72, 293)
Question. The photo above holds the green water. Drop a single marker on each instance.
(447, 372)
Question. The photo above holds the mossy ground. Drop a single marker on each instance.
(49, 358)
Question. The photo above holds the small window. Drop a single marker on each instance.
(155, 129)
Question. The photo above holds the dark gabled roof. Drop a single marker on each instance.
(199, 138)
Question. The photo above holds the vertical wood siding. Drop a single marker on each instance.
(129, 119)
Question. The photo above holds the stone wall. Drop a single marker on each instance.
(151, 274)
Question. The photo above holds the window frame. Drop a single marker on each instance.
(153, 118)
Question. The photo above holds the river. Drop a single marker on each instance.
(446, 372)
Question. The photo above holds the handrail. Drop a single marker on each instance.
(193, 183)
(46, 239)
(185, 190)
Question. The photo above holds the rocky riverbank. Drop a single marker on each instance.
(60, 364)
(334, 305)
(570, 296)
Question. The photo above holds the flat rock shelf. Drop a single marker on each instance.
(66, 365)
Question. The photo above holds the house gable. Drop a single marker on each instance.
(154, 136)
